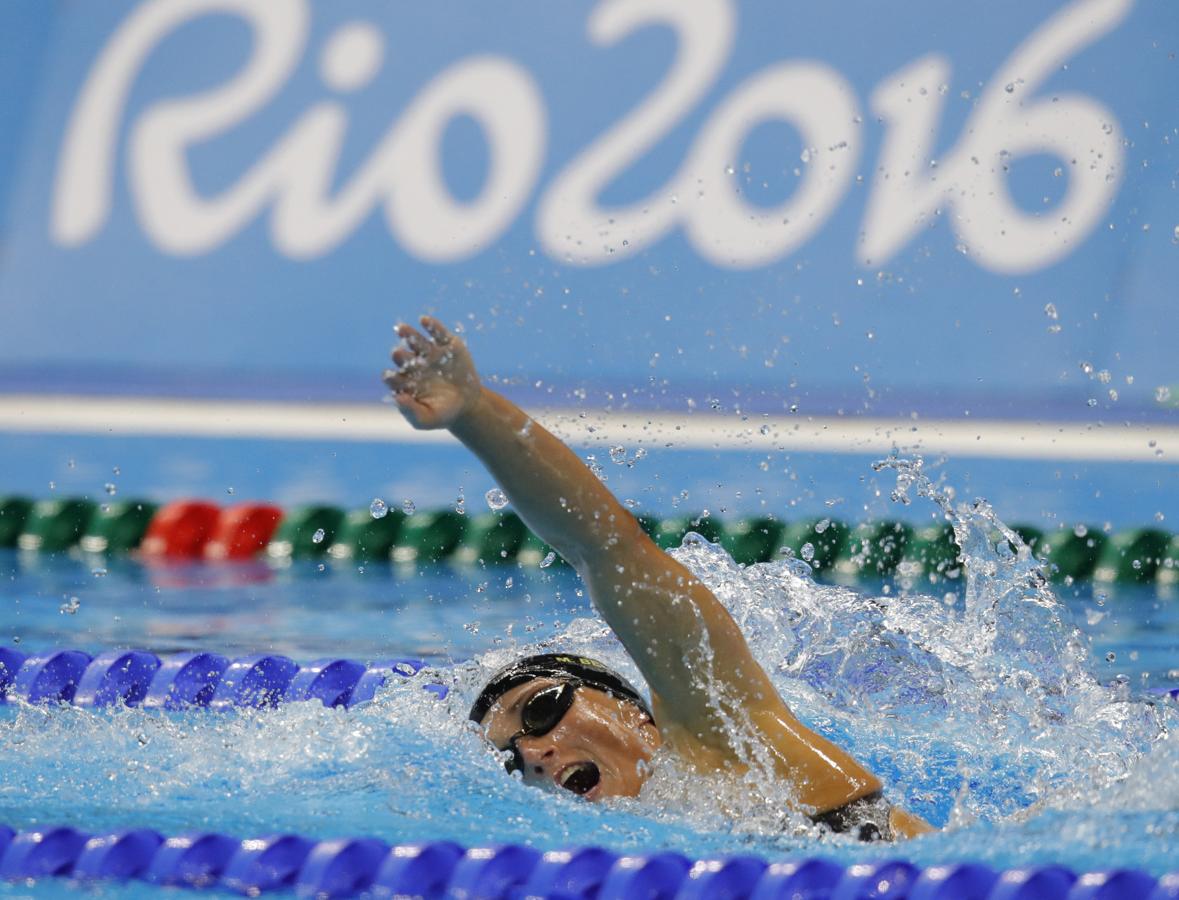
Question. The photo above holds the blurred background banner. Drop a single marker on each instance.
(938, 208)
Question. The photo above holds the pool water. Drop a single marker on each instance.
(1026, 721)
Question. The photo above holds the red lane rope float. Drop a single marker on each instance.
(190, 529)
(243, 531)
(180, 530)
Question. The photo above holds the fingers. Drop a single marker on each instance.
(413, 338)
(397, 381)
(437, 330)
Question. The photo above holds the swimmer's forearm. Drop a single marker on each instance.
(554, 492)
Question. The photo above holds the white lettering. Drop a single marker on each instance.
(296, 175)
(570, 223)
(313, 209)
(82, 194)
(723, 227)
(971, 178)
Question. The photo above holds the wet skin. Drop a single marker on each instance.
(602, 743)
(690, 651)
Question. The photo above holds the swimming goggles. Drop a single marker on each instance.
(542, 712)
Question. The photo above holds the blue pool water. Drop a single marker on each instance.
(1022, 721)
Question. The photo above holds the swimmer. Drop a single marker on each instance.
(569, 722)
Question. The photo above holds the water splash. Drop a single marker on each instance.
(989, 698)
(980, 713)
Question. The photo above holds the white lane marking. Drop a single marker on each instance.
(63, 414)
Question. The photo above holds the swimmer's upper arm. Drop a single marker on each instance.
(689, 649)
(685, 643)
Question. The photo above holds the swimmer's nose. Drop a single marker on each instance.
(539, 755)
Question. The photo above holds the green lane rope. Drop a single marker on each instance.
(835, 549)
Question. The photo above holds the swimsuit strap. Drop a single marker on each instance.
(867, 818)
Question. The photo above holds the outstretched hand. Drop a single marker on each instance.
(435, 381)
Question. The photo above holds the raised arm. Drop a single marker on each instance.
(705, 682)
(654, 604)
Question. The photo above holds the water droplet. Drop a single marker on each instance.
(53, 485)
(378, 509)
(618, 455)
(1080, 530)
(1092, 401)
(1009, 87)
(822, 526)
(1087, 368)
(548, 560)
(496, 499)
(110, 489)
(807, 551)
(1162, 394)
(1050, 311)
(805, 155)
(321, 567)
(525, 429)
(1111, 656)
(71, 606)
(115, 471)
(73, 465)
(318, 537)
(592, 464)
(460, 505)
(1176, 237)
(98, 571)
(408, 507)
(729, 170)
(1158, 516)
(229, 490)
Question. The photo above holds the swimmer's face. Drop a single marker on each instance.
(599, 748)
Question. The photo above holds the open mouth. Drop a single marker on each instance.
(581, 778)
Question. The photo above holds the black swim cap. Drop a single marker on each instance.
(561, 667)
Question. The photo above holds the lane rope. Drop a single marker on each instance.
(352, 866)
(835, 550)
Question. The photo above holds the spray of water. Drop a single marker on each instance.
(976, 708)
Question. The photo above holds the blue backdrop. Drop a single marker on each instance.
(933, 207)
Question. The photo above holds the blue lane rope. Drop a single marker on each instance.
(202, 679)
(347, 867)
(185, 680)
